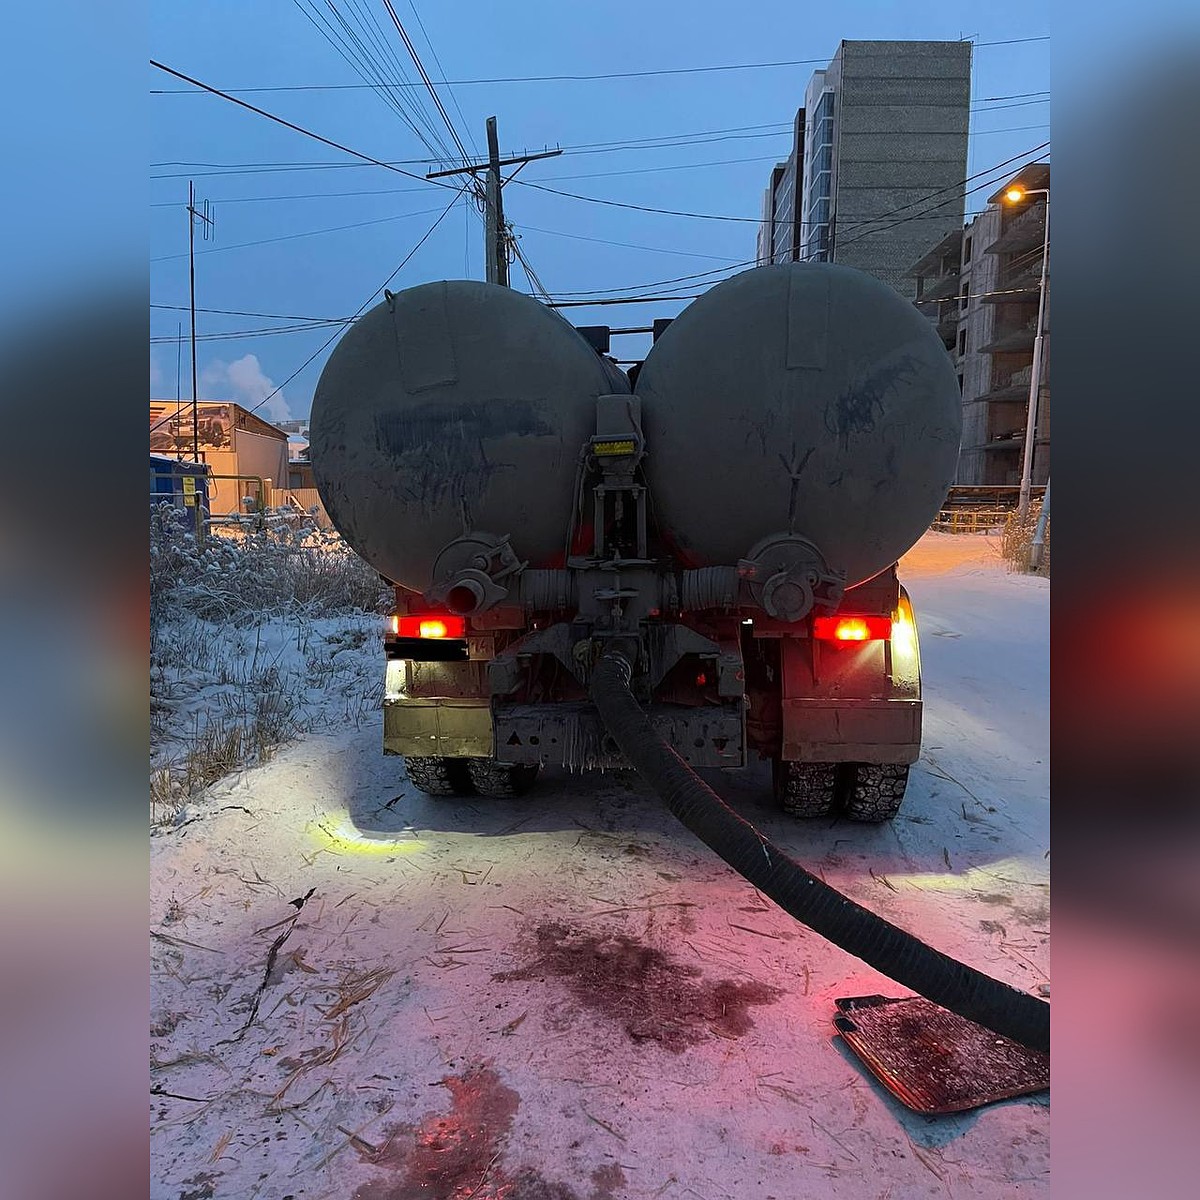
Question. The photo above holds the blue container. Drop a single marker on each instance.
(182, 484)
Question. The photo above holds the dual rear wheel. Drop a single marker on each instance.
(469, 777)
(871, 792)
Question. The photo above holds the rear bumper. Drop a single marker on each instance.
(451, 728)
(573, 735)
(864, 731)
(570, 735)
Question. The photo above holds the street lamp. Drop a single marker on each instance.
(1015, 195)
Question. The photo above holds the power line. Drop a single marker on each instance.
(325, 322)
(662, 142)
(287, 237)
(744, 220)
(754, 66)
(659, 141)
(978, 187)
(269, 331)
(359, 311)
(296, 128)
(579, 237)
(241, 312)
(953, 188)
(412, 50)
(438, 63)
(405, 105)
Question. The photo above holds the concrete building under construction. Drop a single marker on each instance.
(879, 155)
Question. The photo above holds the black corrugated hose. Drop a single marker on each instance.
(889, 949)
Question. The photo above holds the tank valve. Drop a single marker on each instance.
(471, 573)
(788, 577)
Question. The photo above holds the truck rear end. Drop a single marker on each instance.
(738, 519)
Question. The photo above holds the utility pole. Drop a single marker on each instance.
(178, 387)
(497, 256)
(495, 232)
(1015, 195)
(206, 222)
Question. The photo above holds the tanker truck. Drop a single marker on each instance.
(735, 517)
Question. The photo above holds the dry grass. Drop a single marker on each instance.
(1016, 538)
(220, 698)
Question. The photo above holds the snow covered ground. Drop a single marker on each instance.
(362, 992)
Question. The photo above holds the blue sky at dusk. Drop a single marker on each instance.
(267, 185)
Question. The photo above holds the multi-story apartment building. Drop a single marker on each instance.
(878, 159)
(981, 289)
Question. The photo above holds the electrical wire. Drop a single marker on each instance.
(749, 220)
(358, 312)
(796, 62)
(978, 187)
(412, 50)
(362, 60)
(272, 331)
(661, 141)
(579, 237)
(287, 237)
(438, 64)
(954, 188)
(325, 322)
(241, 312)
(665, 142)
(262, 112)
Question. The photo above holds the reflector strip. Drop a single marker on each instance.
(625, 446)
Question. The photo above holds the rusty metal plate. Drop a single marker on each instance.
(934, 1061)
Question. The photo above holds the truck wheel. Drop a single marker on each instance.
(876, 791)
(439, 776)
(500, 779)
(806, 789)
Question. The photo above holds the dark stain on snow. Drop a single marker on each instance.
(649, 994)
(450, 1156)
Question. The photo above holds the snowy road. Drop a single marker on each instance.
(567, 997)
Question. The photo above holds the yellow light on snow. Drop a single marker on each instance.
(342, 838)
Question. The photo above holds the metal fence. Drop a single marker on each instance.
(970, 520)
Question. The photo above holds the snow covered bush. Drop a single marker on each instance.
(256, 637)
(275, 568)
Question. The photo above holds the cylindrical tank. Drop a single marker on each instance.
(454, 407)
(807, 399)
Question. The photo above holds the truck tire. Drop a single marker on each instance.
(806, 789)
(439, 776)
(876, 791)
(500, 779)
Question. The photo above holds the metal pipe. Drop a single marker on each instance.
(1039, 534)
(1035, 374)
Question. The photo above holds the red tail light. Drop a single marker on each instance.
(852, 629)
(428, 625)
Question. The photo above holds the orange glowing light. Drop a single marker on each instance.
(1014, 195)
(852, 629)
(429, 625)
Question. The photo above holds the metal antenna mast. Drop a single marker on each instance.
(206, 224)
